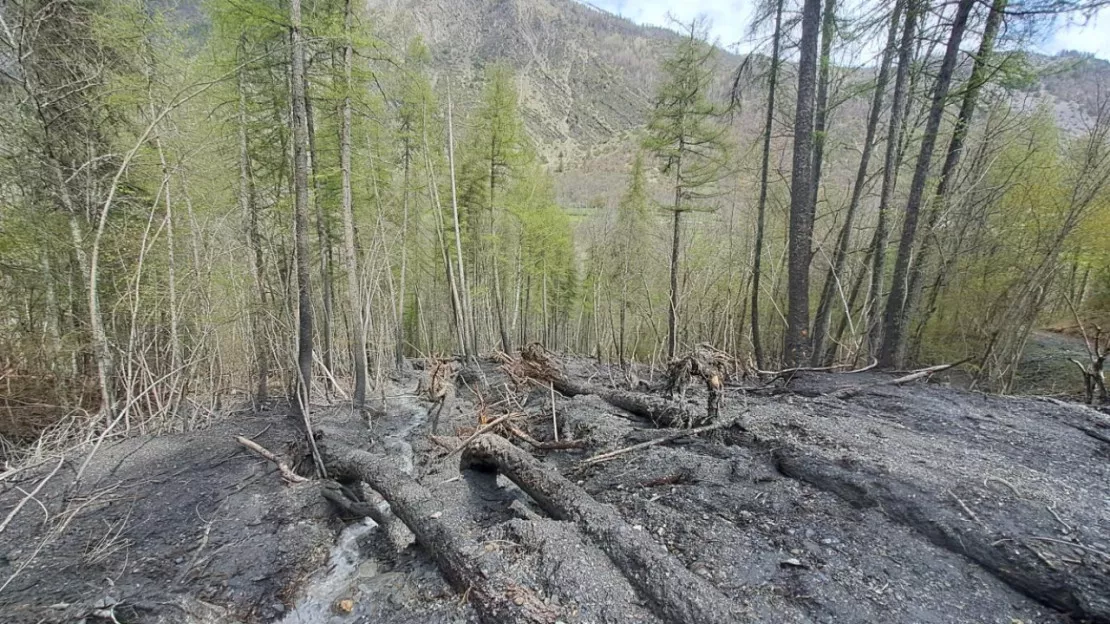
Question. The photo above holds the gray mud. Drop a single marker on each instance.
(902, 504)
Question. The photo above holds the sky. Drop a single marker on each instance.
(731, 17)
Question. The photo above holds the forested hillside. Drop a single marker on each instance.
(203, 201)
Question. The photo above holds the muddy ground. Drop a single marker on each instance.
(916, 503)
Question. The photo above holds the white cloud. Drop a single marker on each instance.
(730, 20)
(1092, 36)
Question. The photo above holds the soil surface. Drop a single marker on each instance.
(916, 503)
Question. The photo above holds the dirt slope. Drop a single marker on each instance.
(903, 504)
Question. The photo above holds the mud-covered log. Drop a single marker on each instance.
(661, 411)
(677, 594)
(442, 532)
(349, 504)
(1082, 590)
(535, 362)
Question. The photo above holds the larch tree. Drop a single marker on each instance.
(802, 190)
(684, 134)
(764, 184)
(894, 318)
(630, 235)
(980, 73)
(350, 246)
(300, 218)
(835, 273)
(499, 148)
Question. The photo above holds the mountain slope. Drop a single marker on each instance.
(586, 76)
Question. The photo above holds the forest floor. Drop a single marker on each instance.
(894, 503)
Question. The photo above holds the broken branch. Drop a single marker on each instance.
(286, 472)
(604, 457)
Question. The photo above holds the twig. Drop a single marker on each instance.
(846, 393)
(334, 383)
(479, 432)
(1004, 482)
(554, 419)
(801, 369)
(1052, 510)
(604, 457)
(441, 441)
(10, 516)
(1067, 543)
(967, 509)
(545, 446)
(1040, 555)
(286, 472)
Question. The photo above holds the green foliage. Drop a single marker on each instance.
(683, 131)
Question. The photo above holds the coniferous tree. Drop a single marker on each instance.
(631, 232)
(802, 189)
(499, 148)
(683, 133)
(764, 184)
(894, 318)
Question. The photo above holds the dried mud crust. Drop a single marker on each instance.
(919, 504)
(179, 528)
(903, 504)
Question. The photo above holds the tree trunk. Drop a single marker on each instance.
(891, 163)
(672, 308)
(445, 534)
(171, 270)
(802, 186)
(955, 151)
(828, 27)
(676, 594)
(350, 248)
(399, 331)
(840, 254)
(891, 353)
(259, 335)
(51, 324)
(470, 348)
(761, 209)
(300, 210)
(323, 237)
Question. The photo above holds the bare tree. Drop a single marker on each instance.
(894, 319)
(802, 185)
(350, 249)
(764, 172)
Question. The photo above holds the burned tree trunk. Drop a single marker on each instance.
(663, 412)
(536, 364)
(677, 594)
(442, 532)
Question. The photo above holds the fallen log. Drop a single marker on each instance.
(847, 393)
(661, 411)
(1082, 590)
(677, 594)
(352, 507)
(535, 363)
(443, 533)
